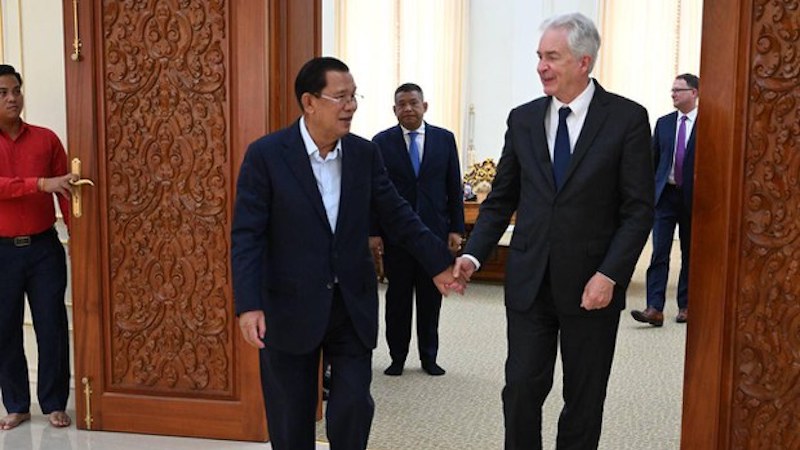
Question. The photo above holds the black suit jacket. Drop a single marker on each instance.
(663, 151)
(598, 221)
(285, 260)
(436, 193)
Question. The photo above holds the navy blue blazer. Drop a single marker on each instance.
(598, 221)
(285, 259)
(663, 151)
(436, 194)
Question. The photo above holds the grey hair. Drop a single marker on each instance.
(582, 36)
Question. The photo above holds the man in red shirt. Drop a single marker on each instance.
(33, 167)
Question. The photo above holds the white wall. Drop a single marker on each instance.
(503, 37)
(33, 42)
(501, 62)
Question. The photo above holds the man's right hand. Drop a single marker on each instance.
(376, 245)
(253, 327)
(58, 185)
(463, 268)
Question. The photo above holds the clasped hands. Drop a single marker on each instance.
(455, 277)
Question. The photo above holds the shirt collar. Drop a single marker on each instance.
(581, 103)
(22, 127)
(311, 147)
(420, 130)
(691, 115)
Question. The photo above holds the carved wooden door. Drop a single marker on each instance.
(163, 97)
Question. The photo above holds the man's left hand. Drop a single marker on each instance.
(454, 242)
(597, 293)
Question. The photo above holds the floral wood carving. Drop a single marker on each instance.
(766, 395)
(168, 172)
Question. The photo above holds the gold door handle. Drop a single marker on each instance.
(81, 182)
(77, 205)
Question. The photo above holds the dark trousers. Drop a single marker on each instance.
(290, 385)
(40, 271)
(587, 350)
(671, 211)
(407, 281)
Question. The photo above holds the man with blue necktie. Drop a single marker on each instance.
(422, 162)
(673, 156)
(576, 169)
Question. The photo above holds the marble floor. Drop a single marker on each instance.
(37, 434)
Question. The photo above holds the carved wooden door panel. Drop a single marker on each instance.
(163, 97)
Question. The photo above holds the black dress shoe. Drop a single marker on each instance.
(433, 369)
(683, 316)
(395, 369)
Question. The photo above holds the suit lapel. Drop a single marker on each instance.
(541, 151)
(595, 118)
(426, 150)
(350, 172)
(690, 143)
(401, 151)
(672, 124)
(294, 152)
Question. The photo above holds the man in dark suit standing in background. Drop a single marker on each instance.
(303, 277)
(673, 154)
(576, 168)
(422, 161)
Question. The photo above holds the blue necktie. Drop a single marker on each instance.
(561, 152)
(413, 151)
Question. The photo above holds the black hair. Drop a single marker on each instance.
(691, 80)
(5, 69)
(312, 76)
(409, 87)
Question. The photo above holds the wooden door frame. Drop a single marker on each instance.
(742, 171)
(715, 222)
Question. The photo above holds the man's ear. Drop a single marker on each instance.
(307, 100)
(586, 61)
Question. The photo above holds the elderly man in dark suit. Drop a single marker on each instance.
(673, 154)
(303, 277)
(576, 167)
(422, 161)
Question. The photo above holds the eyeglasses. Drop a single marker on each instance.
(676, 90)
(342, 100)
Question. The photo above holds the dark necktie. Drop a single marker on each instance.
(561, 150)
(413, 151)
(680, 152)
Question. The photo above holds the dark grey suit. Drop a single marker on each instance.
(597, 222)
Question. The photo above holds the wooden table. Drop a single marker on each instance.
(494, 268)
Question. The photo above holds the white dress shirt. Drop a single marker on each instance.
(579, 107)
(328, 173)
(420, 139)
